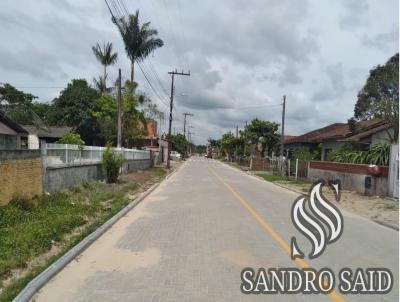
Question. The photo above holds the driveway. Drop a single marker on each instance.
(190, 239)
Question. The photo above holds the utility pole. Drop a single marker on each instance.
(119, 134)
(171, 104)
(184, 122)
(160, 117)
(245, 142)
(237, 135)
(190, 140)
(283, 124)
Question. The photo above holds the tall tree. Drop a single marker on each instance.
(263, 132)
(105, 56)
(75, 103)
(106, 115)
(179, 143)
(139, 40)
(379, 98)
(16, 104)
(100, 84)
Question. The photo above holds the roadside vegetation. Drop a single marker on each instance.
(35, 233)
(376, 155)
(280, 178)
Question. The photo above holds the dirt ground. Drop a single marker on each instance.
(384, 210)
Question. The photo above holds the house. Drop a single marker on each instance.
(12, 135)
(151, 138)
(332, 137)
(46, 134)
(374, 132)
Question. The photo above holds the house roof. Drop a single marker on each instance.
(339, 131)
(333, 130)
(11, 124)
(288, 137)
(50, 132)
(367, 131)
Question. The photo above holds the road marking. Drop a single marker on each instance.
(335, 296)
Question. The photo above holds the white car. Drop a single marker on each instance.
(175, 155)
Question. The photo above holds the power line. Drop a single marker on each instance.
(151, 86)
(116, 9)
(157, 77)
(123, 7)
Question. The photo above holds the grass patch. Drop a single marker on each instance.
(30, 228)
(158, 172)
(278, 178)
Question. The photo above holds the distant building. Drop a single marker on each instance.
(332, 137)
(151, 138)
(12, 135)
(36, 135)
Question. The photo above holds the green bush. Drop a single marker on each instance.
(73, 139)
(112, 162)
(304, 153)
(376, 155)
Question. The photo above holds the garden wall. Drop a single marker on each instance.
(67, 176)
(61, 177)
(20, 174)
(352, 176)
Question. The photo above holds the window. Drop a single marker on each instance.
(8, 142)
(24, 142)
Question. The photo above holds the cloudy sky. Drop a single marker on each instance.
(242, 55)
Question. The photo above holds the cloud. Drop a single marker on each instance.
(355, 14)
(243, 56)
(382, 41)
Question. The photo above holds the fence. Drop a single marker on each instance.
(71, 155)
(289, 167)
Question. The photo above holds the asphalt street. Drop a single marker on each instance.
(190, 239)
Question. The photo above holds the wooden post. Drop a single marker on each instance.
(297, 167)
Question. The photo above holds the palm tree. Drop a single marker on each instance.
(105, 56)
(100, 84)
(139, 41)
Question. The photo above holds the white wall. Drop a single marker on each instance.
(394, 171)
(33, 141)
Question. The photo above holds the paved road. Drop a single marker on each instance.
(190, 239)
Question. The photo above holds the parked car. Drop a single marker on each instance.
(174, 155)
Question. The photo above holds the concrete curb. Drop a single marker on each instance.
(386, 224)
(40, 280)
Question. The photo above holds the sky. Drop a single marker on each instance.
(243, 56)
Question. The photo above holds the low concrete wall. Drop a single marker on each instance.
(20, 174)
(137, 164)
(62, 177)
(352, 177)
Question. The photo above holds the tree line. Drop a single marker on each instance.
(91, 109)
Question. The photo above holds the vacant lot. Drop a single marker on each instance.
(34, 233)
